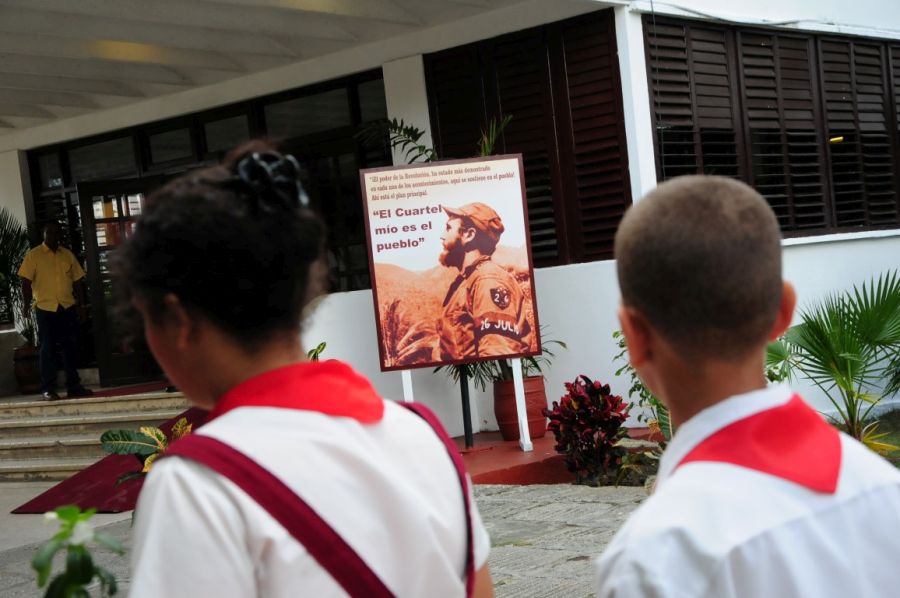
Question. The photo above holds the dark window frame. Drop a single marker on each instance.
(61, 200)
(582, 184)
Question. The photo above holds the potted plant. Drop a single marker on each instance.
(499, 373)
(13, 246)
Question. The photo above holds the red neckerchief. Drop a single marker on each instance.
(329, 387)
(791, 442)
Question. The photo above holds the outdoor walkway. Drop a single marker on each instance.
(543, 538)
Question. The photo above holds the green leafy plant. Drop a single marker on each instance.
(659, 420)
(13, 247)
(147, 444)
(74, 535)
(407, 138)
(314, 354)
(847, 344)
(401, 136)
(587, 425)
(482, 373)
(491, 133)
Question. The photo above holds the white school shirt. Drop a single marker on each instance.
(198, 535)
(714, 529)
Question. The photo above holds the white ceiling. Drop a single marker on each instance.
(62, 58)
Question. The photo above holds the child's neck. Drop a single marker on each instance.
(688, 391)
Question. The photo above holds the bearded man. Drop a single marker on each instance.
(483, 312)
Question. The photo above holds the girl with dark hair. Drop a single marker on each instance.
(304, 481)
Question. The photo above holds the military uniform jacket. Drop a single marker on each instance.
(483, 314)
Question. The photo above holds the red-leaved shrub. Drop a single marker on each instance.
(587, 424)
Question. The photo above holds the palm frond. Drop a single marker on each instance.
(874, 309)
(490, 134)
(848, 345)
(399, 136)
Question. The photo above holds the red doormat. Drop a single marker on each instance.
(96, 486)
(132, 389)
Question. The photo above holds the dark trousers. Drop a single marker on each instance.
(60, 327)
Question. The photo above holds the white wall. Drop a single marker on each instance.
(14, 182)
(876, 18)
(817, 269)
(577, 304)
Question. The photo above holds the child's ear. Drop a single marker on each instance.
(785, 311)
(637, 335)
(179, 320)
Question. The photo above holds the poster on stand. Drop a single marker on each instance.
(450, 261)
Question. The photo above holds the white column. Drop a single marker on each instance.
(407, 96)
(15, 185)
(635, 101)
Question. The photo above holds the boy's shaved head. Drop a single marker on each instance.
(700, 258)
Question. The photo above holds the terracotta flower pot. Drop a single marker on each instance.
(27, 367)
(505, 407)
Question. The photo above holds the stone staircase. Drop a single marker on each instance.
(43, 440)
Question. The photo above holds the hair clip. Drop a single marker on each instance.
(270, 175)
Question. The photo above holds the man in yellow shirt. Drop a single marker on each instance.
(52, 277)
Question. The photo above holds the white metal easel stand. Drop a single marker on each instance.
(524, 435)
(406, 377)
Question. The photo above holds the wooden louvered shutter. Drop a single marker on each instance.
(781, 120)
(456, 99)
(521, 78)
(693, 90)
(592, 147)
(673, 106)
(861, 147)
(894, 51)
(560, 83)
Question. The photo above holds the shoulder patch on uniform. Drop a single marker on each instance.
(500, 296)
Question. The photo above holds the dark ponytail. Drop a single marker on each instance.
(236, 243)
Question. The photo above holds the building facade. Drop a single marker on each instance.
(800, 99)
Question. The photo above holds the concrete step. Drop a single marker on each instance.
(17, 409)
(48, 447)
(33, 470)
(91, 425)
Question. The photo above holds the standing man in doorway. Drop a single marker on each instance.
(483, 313)
(53, 277)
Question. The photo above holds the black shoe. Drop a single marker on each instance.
(171, 388)
(78, 392)
(51, 396)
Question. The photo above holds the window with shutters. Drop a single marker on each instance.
(811, 121)
(560, 84)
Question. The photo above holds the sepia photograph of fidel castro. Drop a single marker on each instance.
(483, 312)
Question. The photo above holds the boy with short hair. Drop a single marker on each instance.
(756, 494)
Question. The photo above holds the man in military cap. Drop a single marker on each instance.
(483, 311)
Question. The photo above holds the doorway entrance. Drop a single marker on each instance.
(108, 212)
